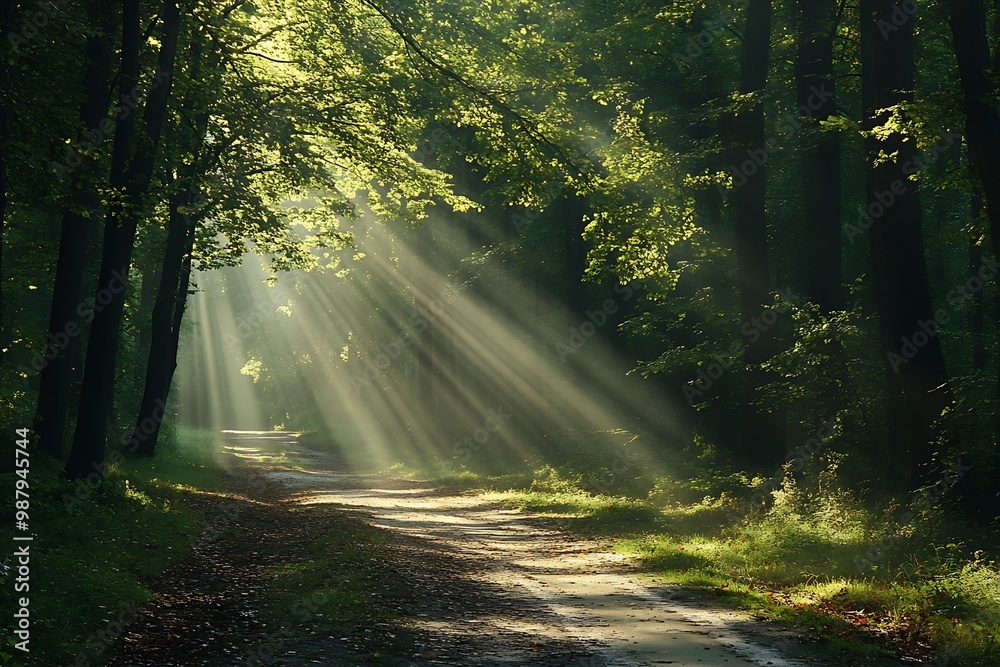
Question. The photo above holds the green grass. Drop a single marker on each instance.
(339, 587)
(808, 558)
(91, 566)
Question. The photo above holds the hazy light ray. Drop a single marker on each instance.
(303, 327)
(491, 347)
(485, 351)
(229, 403)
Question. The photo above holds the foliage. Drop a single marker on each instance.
(140, 523)
(559, 155)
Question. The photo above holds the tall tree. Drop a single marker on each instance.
(977, 319)
(765, 429)
(815, 85)
(174, 272)
(918, 382)
(8, 14)
(978, 76)
(167, 314)
(982, 128)
(97, 392)
(79, 226)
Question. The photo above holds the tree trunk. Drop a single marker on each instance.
(895, 414)
(977, 321)
(183, 288)
(8, 15)
(816, 91)
(765, 436)
(147, 301)
(162, 357)
(996, 250)
(917, 378)
(79, 226)
(982, 128)
(97, 394)
(175, 272)
(180, 306)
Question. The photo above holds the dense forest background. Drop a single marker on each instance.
(740, 242)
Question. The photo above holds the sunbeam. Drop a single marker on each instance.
(412, 356)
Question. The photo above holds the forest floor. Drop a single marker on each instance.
(304, 563)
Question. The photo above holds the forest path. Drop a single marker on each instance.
(565, 590)
(473, 583)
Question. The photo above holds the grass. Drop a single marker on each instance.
(345, 564)
(339, 587)
(814, 556)
(95, 552)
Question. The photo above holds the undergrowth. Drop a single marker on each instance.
(97, 549)
(896, 579)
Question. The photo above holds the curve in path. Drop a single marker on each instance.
(585, 595)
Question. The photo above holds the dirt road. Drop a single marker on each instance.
(471, 583)
(567, 592)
